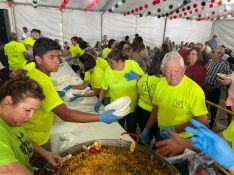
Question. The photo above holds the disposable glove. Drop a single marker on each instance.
(67, 88)
(75, 96)
(164, 134)
(61, 94)
(145, 136)
(97, 106)
(108, 117)
(131, 75)
(69, 60)
(212, 144)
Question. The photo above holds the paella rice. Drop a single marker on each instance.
(111, 161)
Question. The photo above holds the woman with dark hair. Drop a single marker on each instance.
(194, 70)
(162, 52)
(98, 48)
(146, 89)
(139, 53)
(126, 39)
(19, 98)
(111, 46)
(75, 51)
(120, 79)
(122, 45)
(100, 62)
(93, 76)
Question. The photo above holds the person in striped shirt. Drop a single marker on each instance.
(212, 85)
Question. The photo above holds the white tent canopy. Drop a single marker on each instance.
(98, 21)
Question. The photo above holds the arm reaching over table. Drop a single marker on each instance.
(173, 146)
(212, 144)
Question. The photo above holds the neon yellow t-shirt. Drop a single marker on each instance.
(14, 145)
(38, 128)
(177, 104)
(29, 41)
(75, 49)
(15, 53)
(95, 79)
(102, 63)
(146, 89)
(229, 133)
(119, 86)
(106, 52)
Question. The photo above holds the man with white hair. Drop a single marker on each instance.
(177, 99)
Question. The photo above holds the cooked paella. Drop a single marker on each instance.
(110, 160)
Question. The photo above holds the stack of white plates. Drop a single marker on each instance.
(121, 105)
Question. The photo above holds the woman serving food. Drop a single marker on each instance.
(19, 98)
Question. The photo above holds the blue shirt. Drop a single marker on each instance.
(213, 43)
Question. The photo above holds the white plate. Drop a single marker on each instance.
(122, 113)
(120, 104)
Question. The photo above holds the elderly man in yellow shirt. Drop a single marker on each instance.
(29, 41)
(177, 99)
(16, 52)
(218, 147)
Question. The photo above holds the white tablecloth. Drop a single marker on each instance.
(68, 134)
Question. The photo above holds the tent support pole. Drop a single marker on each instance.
(136, 24)
(101, 26)
(13, 18)
(164, 30)
(62, 36)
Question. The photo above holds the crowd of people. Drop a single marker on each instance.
(168, 88)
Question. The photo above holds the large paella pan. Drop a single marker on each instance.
(113, 158)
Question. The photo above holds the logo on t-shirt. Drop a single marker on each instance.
(178, 103)
(25, 145)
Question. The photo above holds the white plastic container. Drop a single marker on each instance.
(121, 105)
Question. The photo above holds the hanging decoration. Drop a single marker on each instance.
(34, 3)
(213, 17)
(140, 8)
(117, 5)
(9, 2)
(91, 5)
(189, 10)
(63, 5)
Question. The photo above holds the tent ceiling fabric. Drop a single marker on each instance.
(104, 5)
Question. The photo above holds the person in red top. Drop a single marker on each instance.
(184, 53)
(194, 70)
(66, 46)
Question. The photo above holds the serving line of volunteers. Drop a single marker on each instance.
(166, 103)
(40, 117)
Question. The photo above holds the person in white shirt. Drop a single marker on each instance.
(26, 33)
